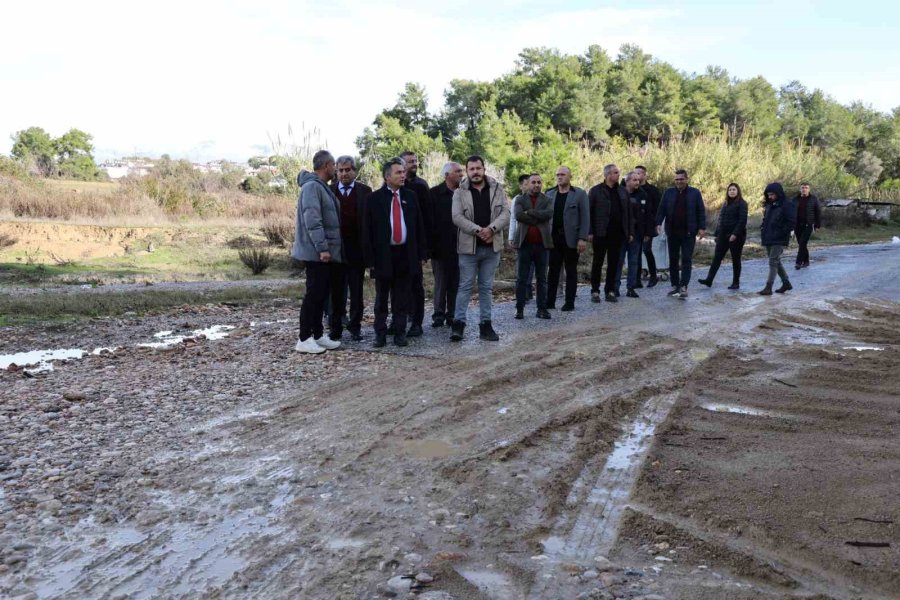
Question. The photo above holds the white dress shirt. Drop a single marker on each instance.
(346, 189)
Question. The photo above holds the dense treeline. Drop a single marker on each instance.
(552, 107)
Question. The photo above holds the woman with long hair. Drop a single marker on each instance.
(731, 233)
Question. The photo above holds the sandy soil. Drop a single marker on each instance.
(606, 454)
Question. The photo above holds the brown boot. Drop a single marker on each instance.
(766, 291)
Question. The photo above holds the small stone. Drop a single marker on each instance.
(424, 577)
(399, 584)
(590, 574)
(603, 564)
(610, 579)
(413, 558)
(74, 396)
(662, 546)
(449, 556)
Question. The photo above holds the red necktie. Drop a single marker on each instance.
(398, 231)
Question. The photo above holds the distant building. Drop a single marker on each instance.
(117, 169)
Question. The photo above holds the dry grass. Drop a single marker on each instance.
(132, 202)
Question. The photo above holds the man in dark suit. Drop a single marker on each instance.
(351, 195)
(420, 187)
(444, 260)
(684, 213)
(394, 246)
(648, 208)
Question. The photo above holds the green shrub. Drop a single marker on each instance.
(256, 259)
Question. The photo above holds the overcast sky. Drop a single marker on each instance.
(202, 80)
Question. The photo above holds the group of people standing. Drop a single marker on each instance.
(345, 228)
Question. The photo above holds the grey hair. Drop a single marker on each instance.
(630, 174)
(387, 166)
(320, 159)
(608, 169)
(343, 160)
(445, 170)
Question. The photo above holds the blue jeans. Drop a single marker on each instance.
(681, 252)
(633, 250)
(483, 263)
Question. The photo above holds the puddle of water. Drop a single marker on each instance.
(168, 339)
(40, 359)
(596, 520)
(496, 586)
(344, 543)
(738, 410)
(864, 348)
(429, 448)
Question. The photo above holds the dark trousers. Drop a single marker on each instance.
(804, 232)
(446, 285)
(396, 289)
(723, 245)
(681, 259)
(417, 310)
(532, 258)
(651, 260)
(608, 248)
(353, 289)
(561, 255)
(322, 278)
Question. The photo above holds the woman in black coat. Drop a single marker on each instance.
(731, 233)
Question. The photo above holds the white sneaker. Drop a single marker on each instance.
(683, 293)
(308, 346)
(327, 343)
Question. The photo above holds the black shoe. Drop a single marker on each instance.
(798, 266)
(450, 322)
(380, 340)
(595, 297)
(611, 297)
(520, 312)
(457, 331)
(734, 286)
(542, 314)
(355, 335)
(674, 292)
(785, 287)
(639, 285)
(486, 332)
(631, 293)
(415, 331)
(653, 281)
(437, 322)
(400, 340)
(618, 294)
(766, 291)
(706, 282)
(568, 306)
(551, 306)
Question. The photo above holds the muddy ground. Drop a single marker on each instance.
(727, 446)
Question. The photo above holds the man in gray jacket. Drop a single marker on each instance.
(571, 225)
(481, 213)
(318, 245)
(533, 211)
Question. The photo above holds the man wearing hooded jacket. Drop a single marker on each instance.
(779, 219)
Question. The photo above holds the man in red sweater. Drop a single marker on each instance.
(532, 211)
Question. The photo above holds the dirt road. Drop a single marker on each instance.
(727, 446)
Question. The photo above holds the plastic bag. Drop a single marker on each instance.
(661, 250)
